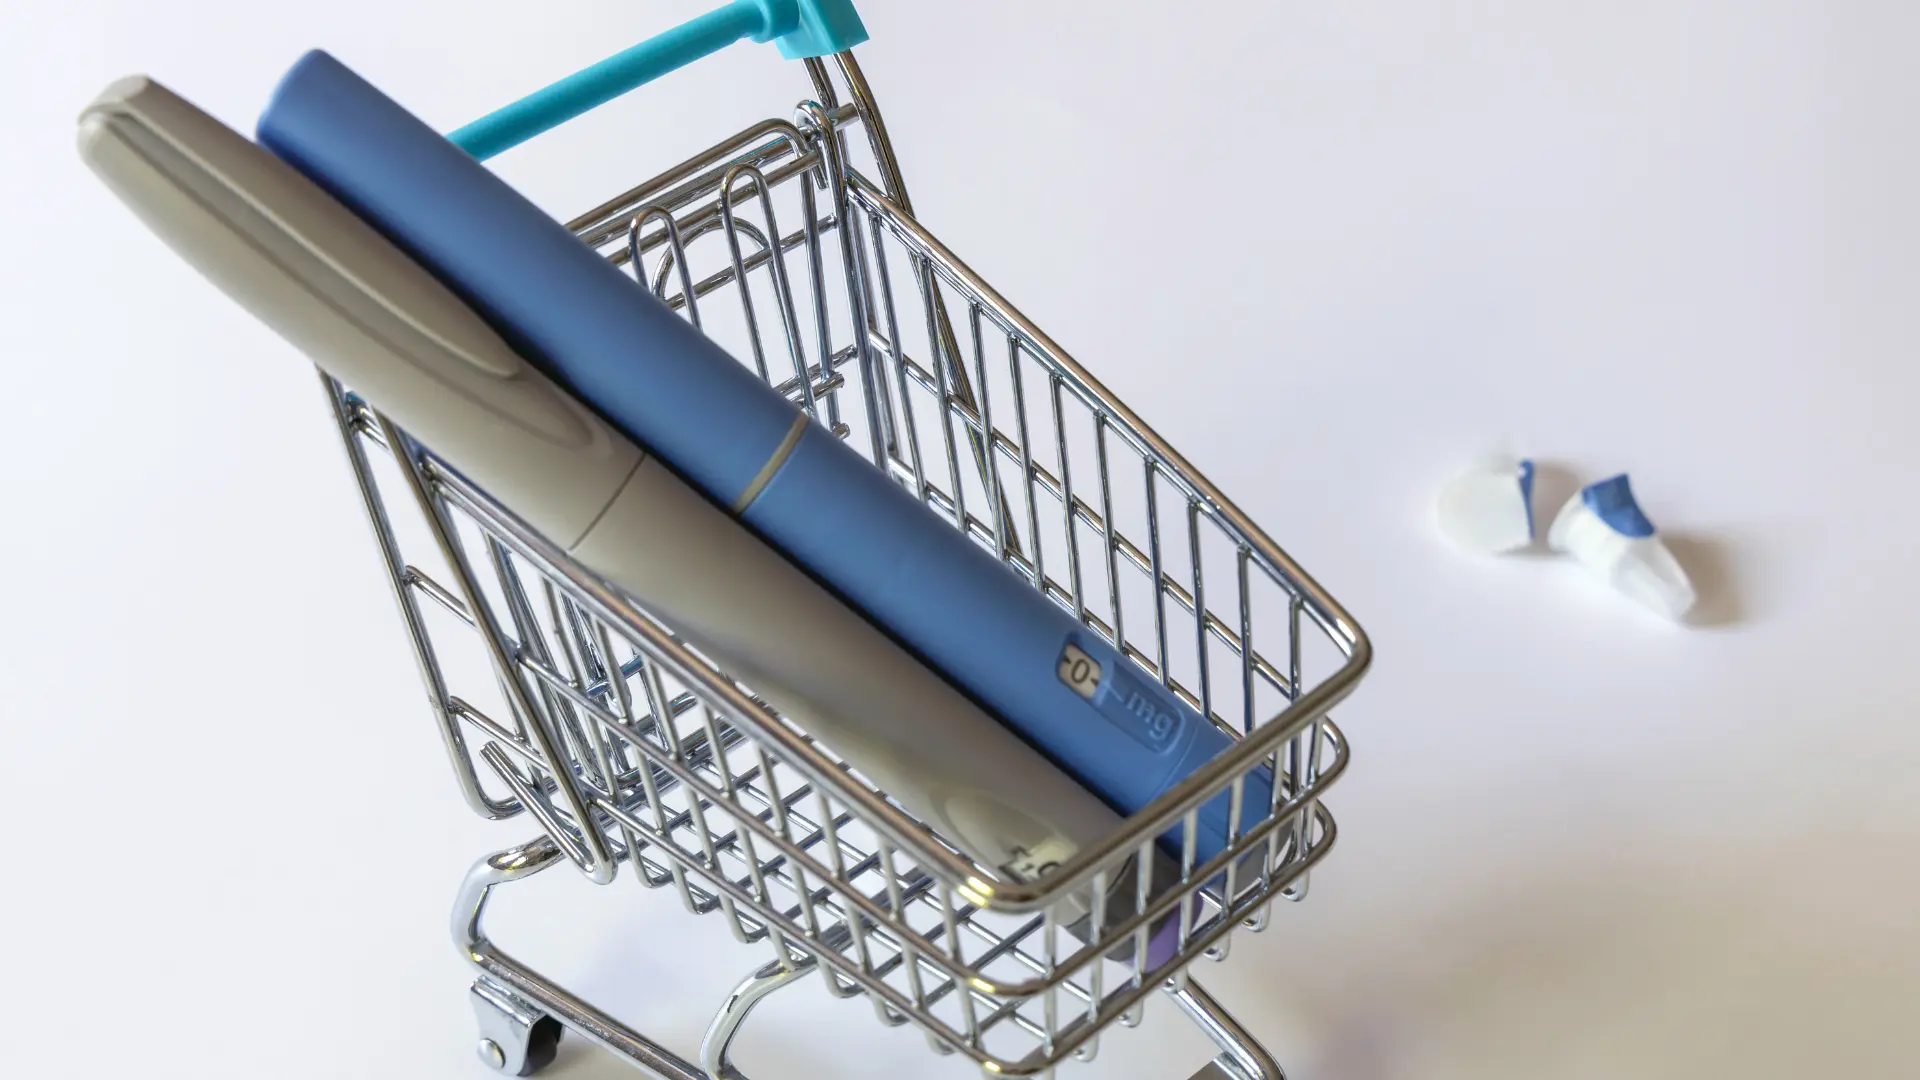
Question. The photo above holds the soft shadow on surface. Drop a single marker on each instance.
(1649, 969)
(785, 1058)
(1566, 964)
(1711, 563)
(792, 1059)
(581, 1059)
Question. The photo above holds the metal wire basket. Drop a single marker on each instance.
(629, 748)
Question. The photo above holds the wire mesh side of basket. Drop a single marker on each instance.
(629, 747)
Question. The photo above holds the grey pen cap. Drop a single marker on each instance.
(333, 286)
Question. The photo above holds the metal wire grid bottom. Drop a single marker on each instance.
(625, 740)
(742, 831)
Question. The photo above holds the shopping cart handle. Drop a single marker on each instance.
(801, 28)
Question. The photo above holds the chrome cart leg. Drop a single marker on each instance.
(516, 1038)
(1241, 1056)
(514, 1000)
(733, 1012)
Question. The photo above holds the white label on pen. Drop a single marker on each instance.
(1138, 707)
(1079, 671)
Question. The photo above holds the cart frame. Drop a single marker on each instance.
(629, 748)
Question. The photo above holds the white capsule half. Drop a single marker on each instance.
(1488, 509)
(1604, 529)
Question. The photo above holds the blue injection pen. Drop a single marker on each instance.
(653, 375)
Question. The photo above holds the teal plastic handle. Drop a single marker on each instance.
(801, 28)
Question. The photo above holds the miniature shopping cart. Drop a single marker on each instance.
(565, 701)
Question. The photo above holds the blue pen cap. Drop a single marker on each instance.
(589, 326)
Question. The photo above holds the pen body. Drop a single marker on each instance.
(678, 394)
(367, 314)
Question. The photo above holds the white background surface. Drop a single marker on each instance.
(1332, 253)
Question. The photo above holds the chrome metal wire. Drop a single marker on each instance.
(559, 697)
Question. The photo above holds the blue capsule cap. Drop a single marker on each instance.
(1612, 501)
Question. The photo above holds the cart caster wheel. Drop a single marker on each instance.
(516, 1038)
(543, 1045)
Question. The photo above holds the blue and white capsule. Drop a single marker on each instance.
(1488, 510)
(1604, 529)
